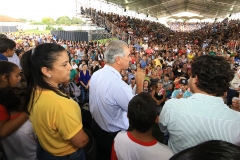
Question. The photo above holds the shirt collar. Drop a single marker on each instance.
(3, 58)
(207, 98)
(113, 70)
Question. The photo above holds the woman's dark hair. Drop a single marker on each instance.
(214, 74)
(6, 68)
(12, 98)
(210, 150)
(32, 62)
(6, 44)
(142, 112)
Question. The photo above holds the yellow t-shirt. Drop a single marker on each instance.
(55, 120)
(190, 56)
(157, 62)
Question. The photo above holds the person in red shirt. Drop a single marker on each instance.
(133, 58)
(9, 77)
(149, 50)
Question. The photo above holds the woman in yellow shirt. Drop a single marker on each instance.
(190, 56)
(55, 117)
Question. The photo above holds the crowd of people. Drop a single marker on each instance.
(186, 26)
(187, 83)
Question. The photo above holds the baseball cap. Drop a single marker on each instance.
(183, 81)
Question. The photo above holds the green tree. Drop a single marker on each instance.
(22, 19)
(48, 21)
(77, 21)
(64, 20)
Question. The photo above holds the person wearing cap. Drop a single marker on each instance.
(182, 92)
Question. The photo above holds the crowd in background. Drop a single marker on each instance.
(164, 55)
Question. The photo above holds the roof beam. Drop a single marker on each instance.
(186, 5)
(164, 8)
(134, 3)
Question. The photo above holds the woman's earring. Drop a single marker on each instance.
(49, 76)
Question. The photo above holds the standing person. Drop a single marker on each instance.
(159, 95)
(84, 80)
(203, 116)
(55, 117)
(7, 48)
(15, 129)
(109, 100)
(139, 144)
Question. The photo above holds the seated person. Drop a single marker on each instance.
(183, 91)
(139, 144)
(235, 104)
(214, 149)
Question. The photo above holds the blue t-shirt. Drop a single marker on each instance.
(186, 94)
(3, 58)
(143, 63)
(175, 93)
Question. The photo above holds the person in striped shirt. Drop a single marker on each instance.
(203, 116)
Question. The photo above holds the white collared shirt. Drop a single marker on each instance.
(109, 96)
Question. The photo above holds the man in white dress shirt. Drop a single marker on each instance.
(109, 96)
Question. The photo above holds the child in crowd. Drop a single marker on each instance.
(17, 137)
(139, 144)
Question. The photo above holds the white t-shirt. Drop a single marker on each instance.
(127, 147)
(133, 89)
(22, 144)
(145, 46)
(80, 54)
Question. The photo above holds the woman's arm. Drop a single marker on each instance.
(152, 94)
(7, 127)
(80, 139)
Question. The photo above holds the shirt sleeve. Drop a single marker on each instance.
(123, 97)
(3, 113)
(69, 122)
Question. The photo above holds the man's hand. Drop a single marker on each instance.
(140, 74)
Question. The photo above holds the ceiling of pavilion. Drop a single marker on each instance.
(163, 8)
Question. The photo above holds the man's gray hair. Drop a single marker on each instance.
(114, 49)
(235, 98)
